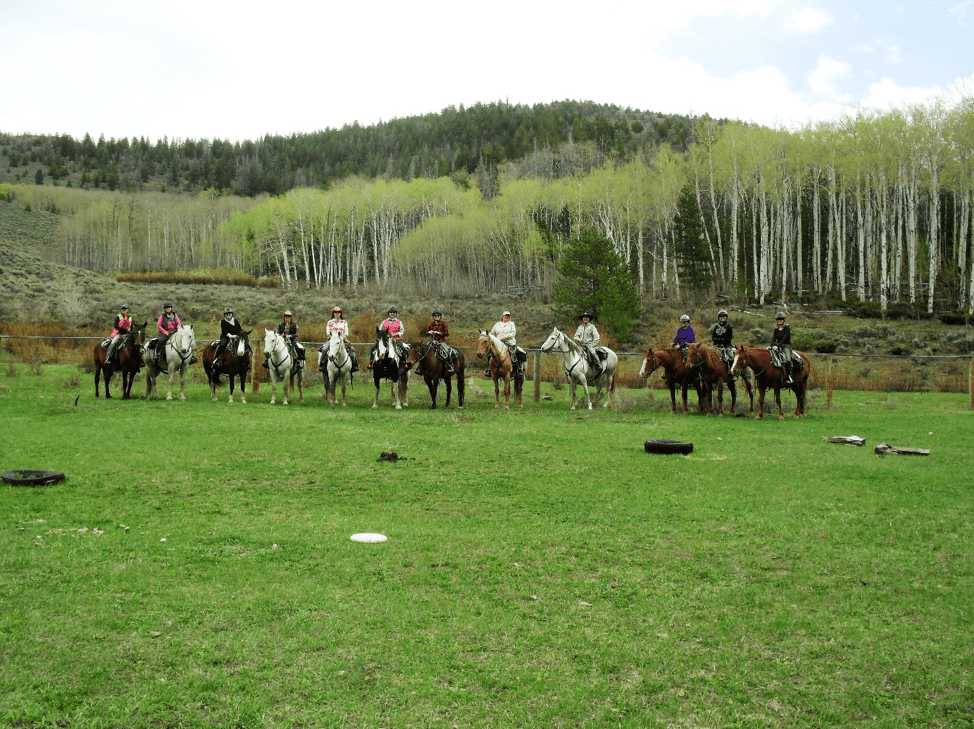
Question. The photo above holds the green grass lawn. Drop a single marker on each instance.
(540, 568)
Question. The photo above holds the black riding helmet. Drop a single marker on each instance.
(394, 310)
(437, 312)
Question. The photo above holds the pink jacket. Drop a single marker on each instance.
(121, 325)
(395, 328)
(168, 327)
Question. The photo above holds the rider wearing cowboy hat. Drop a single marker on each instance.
(588, 336)
(229, 326)
(338, 324)
(440, 330)
(781, 345)
(123, 322)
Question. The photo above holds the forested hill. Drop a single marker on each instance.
(465, 140)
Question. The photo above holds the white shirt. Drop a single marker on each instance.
(505, 331)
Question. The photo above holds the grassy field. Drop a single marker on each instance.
(195, 568)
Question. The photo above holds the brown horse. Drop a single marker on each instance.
(433, 369)
(501, 368)
(766, 375)
(128, 360)
(714, 371)
(675, 372)
(234, 362)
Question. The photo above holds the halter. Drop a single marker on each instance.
(279, 343)
(171, 342)
(333, 358)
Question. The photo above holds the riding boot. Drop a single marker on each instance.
(266, 359)
(351, 352)
(192, 359)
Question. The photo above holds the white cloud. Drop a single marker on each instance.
(887, 93)
(807, 20)
(822, 80)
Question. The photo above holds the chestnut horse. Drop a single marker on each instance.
(128, 360)
(501, 368)
(433, 369)
(766, 375)
(234, 362)
(714, 370)
(675, 372)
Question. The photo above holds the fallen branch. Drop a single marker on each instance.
(850, 439)
(886, 449)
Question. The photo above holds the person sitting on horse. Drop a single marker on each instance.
(123, 323)
(781, 346)
(685, 336)
(289, 330)
(505, 331)
(722, 336)
(167, 325)
(229, 327)
(440, 330)
(396, 329)
(588, 336)
(338, 324)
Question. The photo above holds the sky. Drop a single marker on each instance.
(196, 69)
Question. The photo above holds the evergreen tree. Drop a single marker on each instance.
(593, 277)
(691, 248)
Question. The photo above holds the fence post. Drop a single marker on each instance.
(828, 384)
(254, 376)
(537, 375)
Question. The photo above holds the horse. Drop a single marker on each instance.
(335, 365)
(501, 368)
(675, 372)
(433, 369)
(387, 364)
(714, 370)
(281, 365)
(235, 362)
(767, 375)
(577, 367)
(129, 357)
(179, 351)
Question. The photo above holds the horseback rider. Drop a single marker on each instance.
(588, 336)
(439, 330)
(781, 346)
(167, 325)
(123, 323)
(685, 336)
(396, 329)
(338, 324)
(289, 330)
(505, 331)
(229, 326)
(722, 336)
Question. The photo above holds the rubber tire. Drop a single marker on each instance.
(32, 478)
(665, 446)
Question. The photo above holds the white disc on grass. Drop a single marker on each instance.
(368, 537)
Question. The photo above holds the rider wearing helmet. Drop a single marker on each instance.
(685, 336)
(338, 324)
(588, 336)
(289, 330)
(167, 325)
(781, 345)
(396, 329)
(440, 330)
(123, 323)
(722, 336)
(229, 326)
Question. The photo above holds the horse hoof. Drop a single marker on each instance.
(213, 399)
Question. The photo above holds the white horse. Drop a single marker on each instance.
(179, 352)
(281, 365)
(578, 370)
(388, 365)
(335, 366)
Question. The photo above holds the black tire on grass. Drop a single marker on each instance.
(32, 478)
(665, 446)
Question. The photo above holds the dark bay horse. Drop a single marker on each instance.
(501, 368)
(129, 360)
(766, 375)
(715, 372)
(387, 362)
(234, 362)
(675, 372)
(433, 369)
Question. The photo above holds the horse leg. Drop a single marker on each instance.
(588, 396)
(432, 384)
(683, 394)
(300, 377)
(344, 383)
(375, 402)
(672, 386)
(507, 391)
(777, 401)
(448, 381)
(497, 390)
(761, 391)
(461, 387)
(231, 387)
(97, 377)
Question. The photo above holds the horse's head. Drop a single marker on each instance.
(483, 344)
(650, 363)
(270, 340)
(243, 342)
(416, 352)
(383, 344)
(137, 333)
(740, 356)
(553, 340)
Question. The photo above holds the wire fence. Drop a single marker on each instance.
(838, 371)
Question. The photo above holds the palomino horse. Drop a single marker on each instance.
(501, 368)
(675, 372)
(387, 364)
(179, 351)
(281, 365)
(234, 362)
(128, 359)
(335, 365)
(433, 369)
(714, 370)
(577, 368)
(766, 375)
